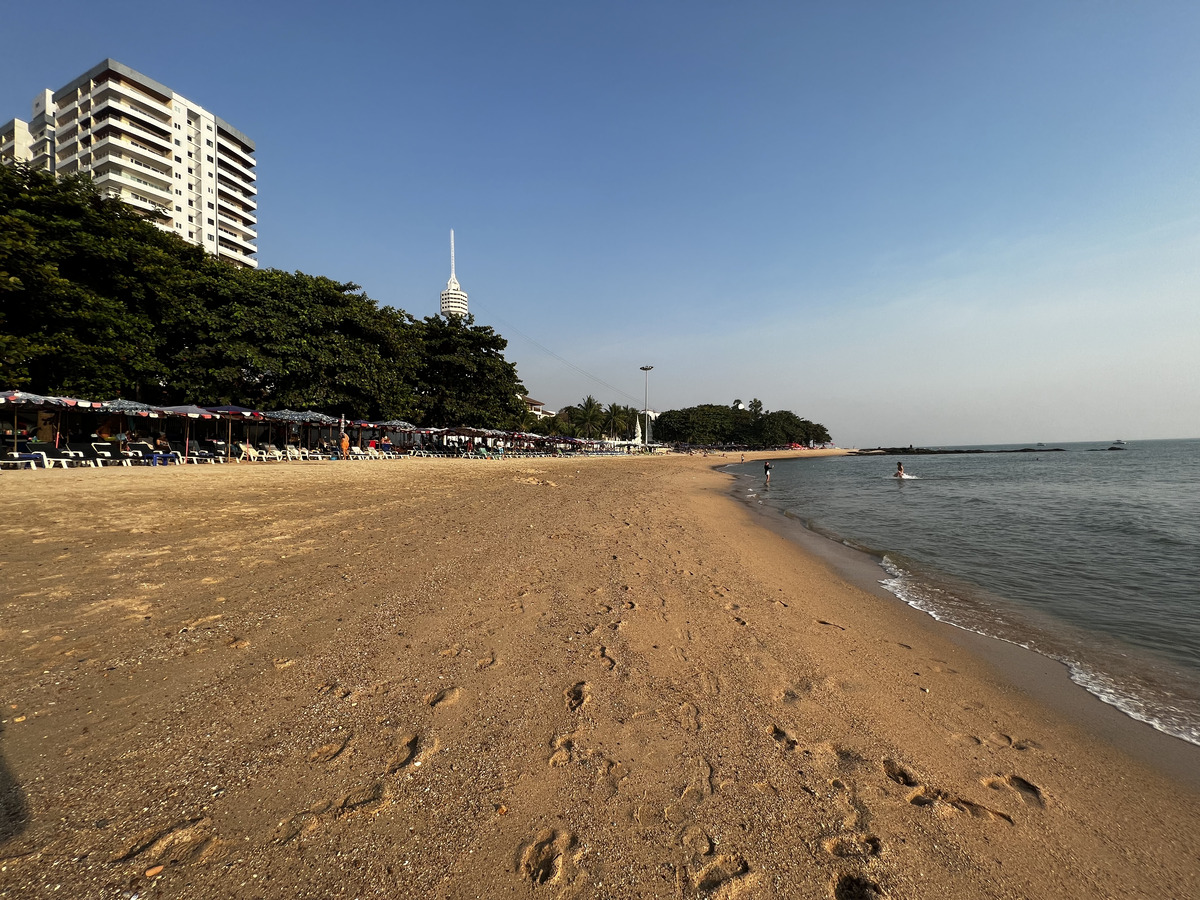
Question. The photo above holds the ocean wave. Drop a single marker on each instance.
(1136, 697)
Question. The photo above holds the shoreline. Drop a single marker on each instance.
(559, 678)
(1045, 680)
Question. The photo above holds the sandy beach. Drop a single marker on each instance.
(595, 678)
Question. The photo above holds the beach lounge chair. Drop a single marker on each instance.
(196, 456)
(146, 455)
(57, 456)
(99, 455)
(248, 453)
(22, 458)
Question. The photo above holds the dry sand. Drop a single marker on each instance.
(529, 678)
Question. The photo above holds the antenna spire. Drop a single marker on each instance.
(451, 252)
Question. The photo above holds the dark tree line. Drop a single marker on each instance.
(97, 302)
(738, 424)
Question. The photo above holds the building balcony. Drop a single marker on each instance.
(133, 117)
(236, 201)
(117, 178)
(236, 173)
(114, 147)
(234, 165)
(243, 219)
(236, 239)
(230, 147)
(237, 226)
(235, 187)
(234, 255)
(133, 129)
(147, 106)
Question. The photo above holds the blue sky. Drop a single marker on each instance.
(923, 223)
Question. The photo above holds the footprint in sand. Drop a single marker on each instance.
(331, 750)
(446, 697)
(855, 887)
(601, 653)
(577, 695)
(1029, 792)
(785, 741)
(487, 661)
(942, 801)
(854, 846)
(405, 750)
(543, 860)
(722, 870)
(689, 717)
(188, 841)
(365, 797)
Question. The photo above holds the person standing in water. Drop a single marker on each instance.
(767, 471)
(899, 470)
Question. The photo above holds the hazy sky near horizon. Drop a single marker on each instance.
(927, 223)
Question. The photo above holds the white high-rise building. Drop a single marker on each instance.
(155, 150)
(454, 298)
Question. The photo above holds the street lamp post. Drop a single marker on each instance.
(646, 408)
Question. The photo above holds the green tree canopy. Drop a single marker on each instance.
(97, 302)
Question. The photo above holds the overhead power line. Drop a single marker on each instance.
(570, 365)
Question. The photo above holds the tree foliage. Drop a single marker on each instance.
(746, 425)
(96, 301)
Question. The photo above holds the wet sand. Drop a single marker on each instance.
(528, 678)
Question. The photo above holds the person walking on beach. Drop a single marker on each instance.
(345, 445)
(767, 470)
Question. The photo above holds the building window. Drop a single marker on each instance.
(210, 159)
(178, 192)
(177, 143)
(208, 141)
(190, 220)
(179, 209)
(210, 206)
(179, 159)
(189, 154)
(211, 238)
(190, 203)
(210, 222)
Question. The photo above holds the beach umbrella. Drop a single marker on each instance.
(127, 408)
(19, 400)
(188, 412)
(232, 412)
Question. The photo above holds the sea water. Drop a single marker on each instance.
(1087, 555)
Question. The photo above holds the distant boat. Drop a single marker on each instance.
(1040, 444)
(1118, 443)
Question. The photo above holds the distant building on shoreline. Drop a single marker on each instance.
(153, 149)
(454, 298)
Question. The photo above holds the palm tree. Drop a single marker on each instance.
(616, 421)
(589, 417)
(524, 422)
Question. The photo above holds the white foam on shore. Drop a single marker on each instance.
(1134, 700)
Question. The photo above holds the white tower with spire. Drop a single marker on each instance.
(454, 298)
